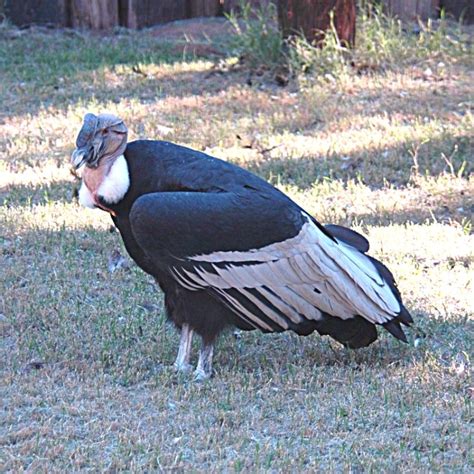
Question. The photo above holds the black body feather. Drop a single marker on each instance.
(183, 203)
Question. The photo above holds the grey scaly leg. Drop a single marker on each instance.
(204, 367)
(184, 353)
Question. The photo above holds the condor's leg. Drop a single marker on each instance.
(204, 367)
(184, 352)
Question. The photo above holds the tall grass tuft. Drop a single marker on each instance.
(257, 40)
(382, 43)
(387, 43)
(327, 59)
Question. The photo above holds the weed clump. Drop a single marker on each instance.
(257, 39)
(383, 43)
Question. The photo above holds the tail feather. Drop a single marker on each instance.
(349, 237)
(404, 316)
(359, 242)
(394, 328)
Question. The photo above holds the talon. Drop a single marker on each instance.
(184, 368)
(201, 375)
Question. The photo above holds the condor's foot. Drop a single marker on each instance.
(181, 363)
(204, 367)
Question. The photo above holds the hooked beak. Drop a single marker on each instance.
(80, 156)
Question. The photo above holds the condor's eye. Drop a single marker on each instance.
(104, 132)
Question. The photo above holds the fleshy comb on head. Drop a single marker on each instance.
(87, 131)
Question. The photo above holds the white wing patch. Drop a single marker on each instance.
(115, 185)
(294, 280)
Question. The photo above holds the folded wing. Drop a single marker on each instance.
(269, 262)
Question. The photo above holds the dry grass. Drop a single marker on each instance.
(85, 354)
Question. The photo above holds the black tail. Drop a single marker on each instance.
(394, 327)
(359, 242)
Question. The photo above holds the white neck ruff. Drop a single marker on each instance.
(112, 189)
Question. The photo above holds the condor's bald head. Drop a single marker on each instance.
(101, 136)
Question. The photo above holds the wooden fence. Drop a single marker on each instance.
(106, 14)
(409, 10)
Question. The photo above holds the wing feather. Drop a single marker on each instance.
(292, 295)
(280, 302)
(264, 308)
(301, 276)
(305, 270)
(243, 312)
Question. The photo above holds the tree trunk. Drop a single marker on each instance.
(313, 18)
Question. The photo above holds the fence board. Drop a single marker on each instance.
(199, 8)
(412, 10)
(459, 9)
(94, 14)
(144, 13)
(228, 5)
(38, 12)
(127, 16)
(106, 14)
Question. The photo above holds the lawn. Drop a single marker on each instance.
(85, 353)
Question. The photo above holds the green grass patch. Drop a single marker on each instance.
(85, 351)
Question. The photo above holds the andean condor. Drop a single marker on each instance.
(228, 249)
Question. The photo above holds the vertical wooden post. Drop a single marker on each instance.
(127, 14)
(95, 14)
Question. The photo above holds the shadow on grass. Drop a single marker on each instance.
(61, 71)
(285, 350)
(375, 167)
(58, 70)
(47, 57)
